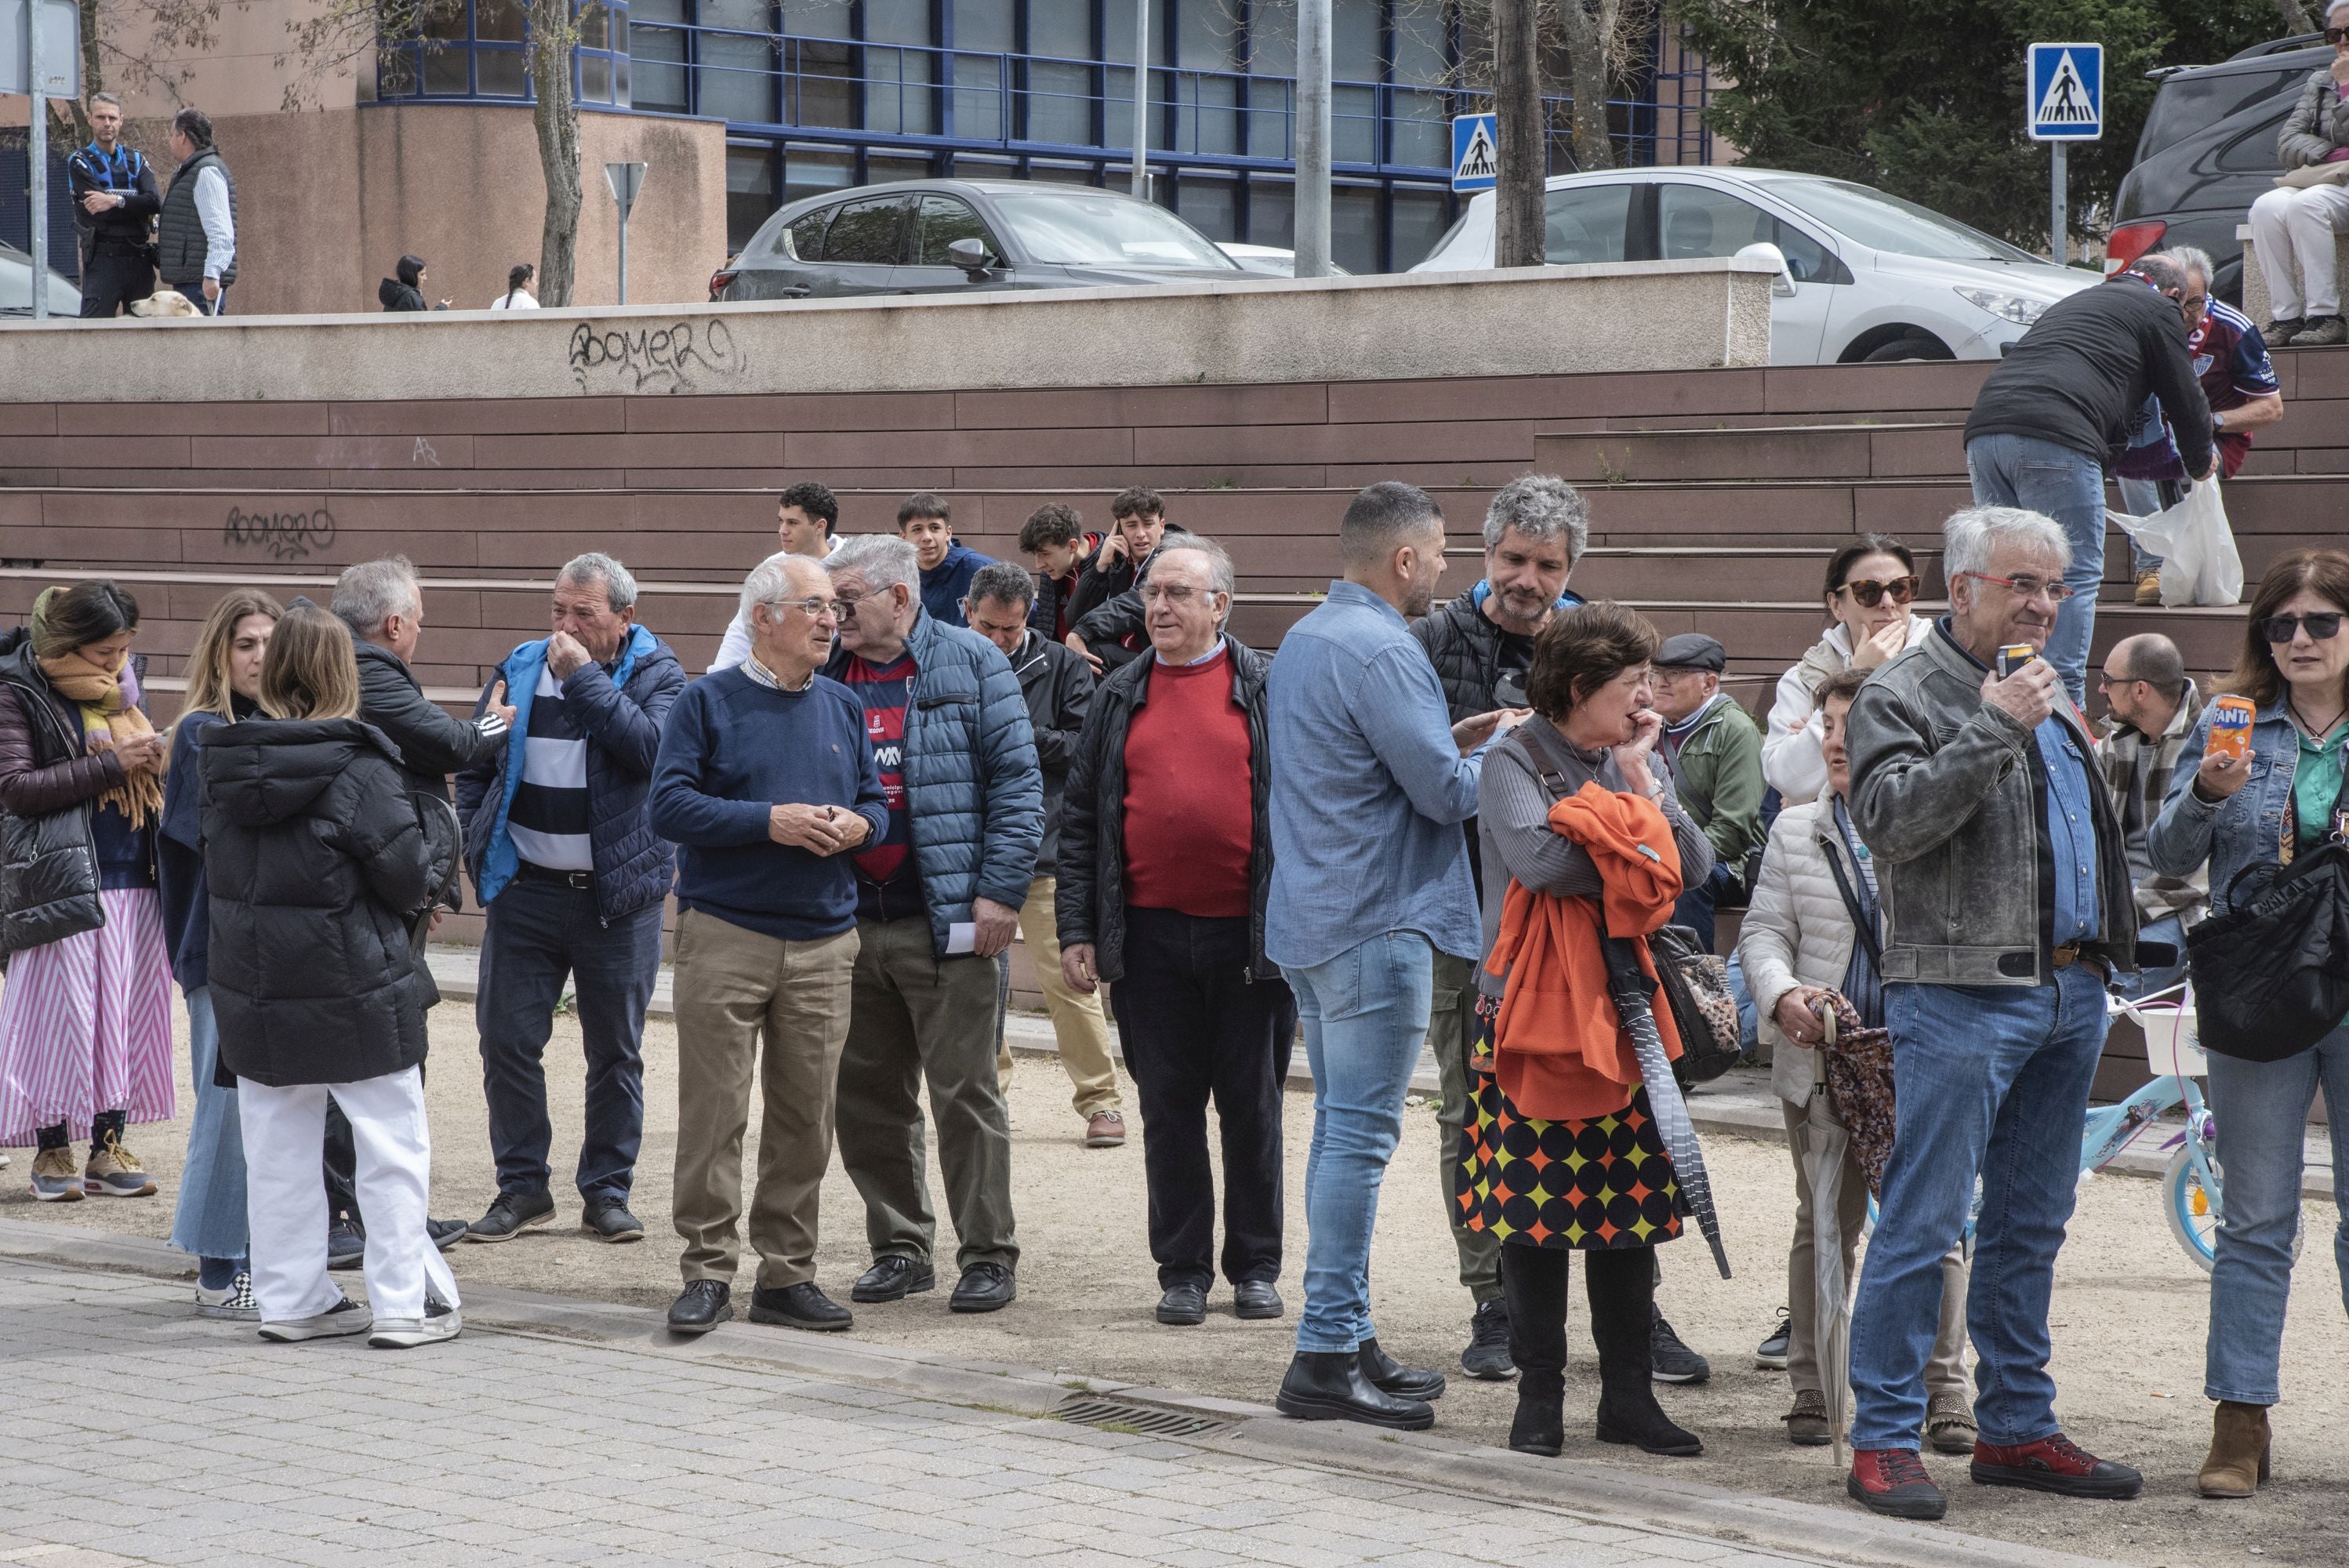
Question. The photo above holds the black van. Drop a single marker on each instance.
(2207, 151)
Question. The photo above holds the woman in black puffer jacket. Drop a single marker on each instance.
(318, 867)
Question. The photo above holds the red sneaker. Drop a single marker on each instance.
(2055, 1464)
(1893, 1481)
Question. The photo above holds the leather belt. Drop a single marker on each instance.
(584, 882)
(2063, 957)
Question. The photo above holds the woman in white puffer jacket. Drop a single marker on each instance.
(1799, 942)
(1871, 582)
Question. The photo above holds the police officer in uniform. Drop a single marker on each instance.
(114, 187)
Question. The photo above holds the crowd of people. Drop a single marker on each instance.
(1414, 827)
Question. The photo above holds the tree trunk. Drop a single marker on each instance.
(555, 117)
(1518, 238)
(1590, 28)
(2296, 19)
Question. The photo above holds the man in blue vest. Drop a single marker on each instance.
(572, 876)
(114, 186)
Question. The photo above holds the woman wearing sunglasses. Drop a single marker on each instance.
(1871, 582)
(2282, 798)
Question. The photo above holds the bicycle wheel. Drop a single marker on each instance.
(2193, 1210)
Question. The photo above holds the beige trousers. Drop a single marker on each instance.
(1946, 1372)
(745, 999)
(1078, 1024)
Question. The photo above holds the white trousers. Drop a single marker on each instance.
(286, 1197)
(2294, 233)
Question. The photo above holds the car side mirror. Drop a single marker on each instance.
(1782, 286)
(971, 256)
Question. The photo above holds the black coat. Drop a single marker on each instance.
(397, 296)
(317, 865)
(1059, 686)
(427, 742)
(2079, 375)
(1090, 903)
(48, 778)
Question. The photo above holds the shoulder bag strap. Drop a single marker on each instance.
(1542, 748)
(1865, 926)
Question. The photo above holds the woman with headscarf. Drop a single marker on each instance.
(86, 1015)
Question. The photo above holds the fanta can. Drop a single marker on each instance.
(2231, 727)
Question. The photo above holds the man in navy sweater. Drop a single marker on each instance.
(765, 782)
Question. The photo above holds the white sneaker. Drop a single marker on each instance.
(440, 1321)
(345, 1318)
(234, 1301)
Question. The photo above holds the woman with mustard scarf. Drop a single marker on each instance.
(86, 1010)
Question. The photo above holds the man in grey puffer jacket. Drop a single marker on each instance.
(2006, 899)
(938, 896)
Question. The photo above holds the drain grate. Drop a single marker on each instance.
(1142, 1419)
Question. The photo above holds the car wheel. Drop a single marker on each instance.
(1920, 346)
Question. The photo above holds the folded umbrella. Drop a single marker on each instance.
(1633, 995)
(1824, 1145)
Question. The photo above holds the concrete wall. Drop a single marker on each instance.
(1649, 315)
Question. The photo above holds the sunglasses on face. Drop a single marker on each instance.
(1867, 595)
(2334, 34)
(2322, 626)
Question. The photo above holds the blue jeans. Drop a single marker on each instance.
(2262, 1110)
(1696, 907)
(1991, 1081)
(538, 932)
(1365, 1013)
(2168, 929)
(2141, 498)
(2025, 471)
(209, 1219)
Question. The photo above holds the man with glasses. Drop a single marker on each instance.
(938, 893)
(2056, 413)
(2153, 704)
(1167, 860)
(765, 782)
(1057, 687)
(2007, 909)
(2239, 380)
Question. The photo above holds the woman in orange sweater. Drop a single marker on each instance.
(1578, 820)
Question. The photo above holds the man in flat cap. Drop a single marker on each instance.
(1715, 755)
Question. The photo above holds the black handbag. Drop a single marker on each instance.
(2271, 974)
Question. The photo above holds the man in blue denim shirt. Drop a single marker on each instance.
(2007, 904)
(1369, 785)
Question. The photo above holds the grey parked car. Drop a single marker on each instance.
(936, 236)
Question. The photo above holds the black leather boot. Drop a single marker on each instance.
(1533, 1283)
(1621, 1286)
(1329, 1386)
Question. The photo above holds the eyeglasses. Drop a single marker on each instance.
(2334, 34)
(1172, 593)
(2107, 680)
(813, 609)
(1868, 595)
(2196, 304)
(2025, 587)
(2322, 626)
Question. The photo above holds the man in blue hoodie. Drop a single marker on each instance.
(572, 876)
(927, 522)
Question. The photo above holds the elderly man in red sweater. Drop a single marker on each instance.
(1165, 862)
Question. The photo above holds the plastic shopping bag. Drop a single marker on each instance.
(2199, 561)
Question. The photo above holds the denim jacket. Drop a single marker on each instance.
(1949, 791)
(2251, 827)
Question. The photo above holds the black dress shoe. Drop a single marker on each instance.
(510, 1215)
(800, 1306)
(1256, 1298)
(701, 1306)
(1184, 1305)
(445, 1234)
(1393, 1377)
(984, 1287)
(894, 1278)
(610, 1221)
(1329, 1386)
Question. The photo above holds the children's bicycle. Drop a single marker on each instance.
(2191, 1187)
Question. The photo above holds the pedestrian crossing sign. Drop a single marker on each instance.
(1475, 151)
(2067, 93)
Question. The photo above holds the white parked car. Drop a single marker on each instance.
(16, 288)
(1269, 261)
(1867, 277)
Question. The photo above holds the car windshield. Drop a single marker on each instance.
(1885, 222)
(2187, 105)
(1072, 230)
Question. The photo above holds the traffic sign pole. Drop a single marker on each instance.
(36, 166)
(2058, 226)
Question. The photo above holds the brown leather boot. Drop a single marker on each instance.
(2239, 1451)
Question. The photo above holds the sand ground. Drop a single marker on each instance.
(2130, 1309)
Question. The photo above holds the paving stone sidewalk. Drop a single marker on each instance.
(166, 1438)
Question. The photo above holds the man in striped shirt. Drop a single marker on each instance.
(572, 876)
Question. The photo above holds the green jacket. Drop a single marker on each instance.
(1718, 771)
